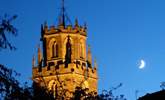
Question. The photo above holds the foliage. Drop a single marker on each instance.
(41, 93)
(9, 86)
(108, 95)
(6, 28)
(84, 94)
(105, 95)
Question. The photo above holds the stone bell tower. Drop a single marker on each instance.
(63, 62)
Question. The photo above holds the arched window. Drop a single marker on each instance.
(54, 49)
(52, 87)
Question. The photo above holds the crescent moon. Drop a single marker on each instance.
(142, 64)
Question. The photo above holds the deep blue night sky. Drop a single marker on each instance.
(120, 32)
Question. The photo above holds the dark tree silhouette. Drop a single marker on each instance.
(9, 85)
(41, 93)
(108, 94)
(84, 94)
(10, 88)
(6, 28)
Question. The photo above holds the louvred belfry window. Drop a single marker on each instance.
(55, 49)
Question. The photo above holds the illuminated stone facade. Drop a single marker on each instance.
(63, 63)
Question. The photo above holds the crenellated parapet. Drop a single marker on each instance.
(61, 69)
(69, 29)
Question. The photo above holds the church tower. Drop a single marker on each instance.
(64, 62)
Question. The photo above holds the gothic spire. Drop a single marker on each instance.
(33, 61)
(42, 32)
(76, 23)
(89, 57)
(95, 64)
(45, 25)
(39, 55)
(85, 26)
